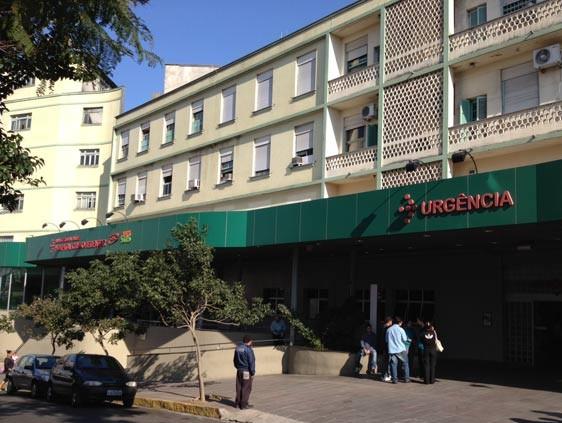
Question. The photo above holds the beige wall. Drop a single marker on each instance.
(177, 75)
(56, 135)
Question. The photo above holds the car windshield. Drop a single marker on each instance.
(45, 362)
(97, 362)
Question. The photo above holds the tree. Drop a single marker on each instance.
(50, 316)
(6, 323)
(181, 285)
(103, 299)
(51, 40)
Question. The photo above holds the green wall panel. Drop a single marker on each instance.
(13, 254)
(536, 190)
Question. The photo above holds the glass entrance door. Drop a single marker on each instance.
(547, 333)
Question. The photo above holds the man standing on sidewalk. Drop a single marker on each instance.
(245, 363)
(396, 339)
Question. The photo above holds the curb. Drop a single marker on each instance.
(192, 407)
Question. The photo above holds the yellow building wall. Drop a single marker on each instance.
(56, 135)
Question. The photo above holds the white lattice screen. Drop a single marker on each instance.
(399, 177)
(412, 118)
(413, 36)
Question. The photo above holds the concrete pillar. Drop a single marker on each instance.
(9, 292)
(42, 282)
(61, 280)
(294, 288)
(24, 287)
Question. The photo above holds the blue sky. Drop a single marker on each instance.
(212, 32)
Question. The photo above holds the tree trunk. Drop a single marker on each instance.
(100, 339)
(53, 341)
(198, 358)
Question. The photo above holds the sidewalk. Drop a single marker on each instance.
(290, 398)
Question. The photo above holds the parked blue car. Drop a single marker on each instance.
(31, 373)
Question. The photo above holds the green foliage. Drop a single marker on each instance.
(6, 323)
(103, 298)
(180, 283)
(51, 40)
(50, 316)
(306, 332)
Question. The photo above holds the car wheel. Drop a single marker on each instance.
(34, 390)
(128, 402)
(51, 396)
(76, 400)
(10, 387)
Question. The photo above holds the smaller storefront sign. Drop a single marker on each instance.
(71, 243)
(462, 203)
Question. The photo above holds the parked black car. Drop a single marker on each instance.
(32, 373)
(90, 378)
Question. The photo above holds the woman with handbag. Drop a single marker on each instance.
(430, 342)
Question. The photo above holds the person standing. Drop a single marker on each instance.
(278, 329)
(368, 343)
(428, 338)
(245, 363)
(383, 348)
(397, 340)
(8, 365)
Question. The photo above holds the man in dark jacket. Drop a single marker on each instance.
(245, 363)
(8, 365)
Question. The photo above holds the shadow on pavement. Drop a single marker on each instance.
(542, 417)
(19, 404)
(480, 374)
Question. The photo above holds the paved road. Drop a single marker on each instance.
(22, 409)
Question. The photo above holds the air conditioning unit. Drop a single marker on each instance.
(227, 178)
(297, 161)
(547, 57)
(140, 198)
(370, 112)
(193, 184)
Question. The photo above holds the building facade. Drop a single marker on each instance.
(69, 125)
(403, 154)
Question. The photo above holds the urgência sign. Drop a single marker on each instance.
(462, 203)
(71, 243)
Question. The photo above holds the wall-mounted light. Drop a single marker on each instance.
(85, 221)
(111, 213)
(44, 225)
(64, 222)
(413, 165)
(460, 156)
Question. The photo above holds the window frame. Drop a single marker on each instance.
(197, 107)
(86, 113)
(476, 11)
(124, 147)
(144, 136)
(362, 60)
(17, 119)
(86, 197)
(121, 198)
(89, 157)
(223, 171)
(169, 121)
(302, 60)
(228, 92)
(264, 141)
(192, 161)
(304, 128)
(138, 193)
(166, 171)
(266, 83)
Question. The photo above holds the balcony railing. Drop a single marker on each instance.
(525, 123)
(356, 161)
(353, 82)
(504, 28)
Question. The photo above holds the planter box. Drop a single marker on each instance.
(304, 361)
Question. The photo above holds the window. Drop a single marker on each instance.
(6, 238)
(21, 122)
(227, 165)
(90, 157)
(520, 88)
(306, 73)
(274, 296)
(474, 109)
(197, 117)
(92, 115)
(358, 134)
(97, 85)
(304, 141)
(377, 55)
(262, 148)
(121, 191)
(356, 55)
(228, 104)
(194, 173)
(166, 190)
(363, 301)
(511, 6)
(169, 127)
(140, 193)
(85, 200)
(414, 303)
(30, 82)
(18, 208)
(477, 16)
(316, 300)
(264, 90)
(124, 145)
(144, 137)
